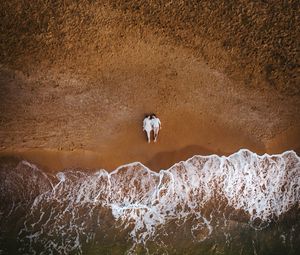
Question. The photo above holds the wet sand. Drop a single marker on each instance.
(176, 143)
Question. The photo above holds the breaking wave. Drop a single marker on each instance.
(205, 202)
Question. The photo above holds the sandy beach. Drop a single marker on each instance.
(77, 175)
(183, 135)
(74, 94)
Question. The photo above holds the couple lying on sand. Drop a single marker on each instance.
(151, 122)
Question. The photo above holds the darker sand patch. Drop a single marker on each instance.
(163, 160)
(54, 160)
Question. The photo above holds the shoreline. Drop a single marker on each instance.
(194, 138)
(198, 136)
(53, 161)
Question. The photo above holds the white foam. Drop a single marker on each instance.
(142, 201)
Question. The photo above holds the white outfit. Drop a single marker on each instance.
(155, 122)
(147, 126)
(156, 125)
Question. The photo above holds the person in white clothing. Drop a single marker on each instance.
(156, 125)
(147, 127)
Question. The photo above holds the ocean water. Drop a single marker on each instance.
(240, 204)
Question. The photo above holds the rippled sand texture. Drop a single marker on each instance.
(239, 204)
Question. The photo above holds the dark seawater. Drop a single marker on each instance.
(241, 204)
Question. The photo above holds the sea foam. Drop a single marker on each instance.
(204, 192)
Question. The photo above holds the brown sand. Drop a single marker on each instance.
(182, 137)
(176, 142)
(77, 78)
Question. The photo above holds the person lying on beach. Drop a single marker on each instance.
(147, 127)
(156, 125)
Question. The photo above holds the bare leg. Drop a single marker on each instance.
(148, 135)
(156, 130)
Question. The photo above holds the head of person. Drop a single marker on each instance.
(153, 116)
